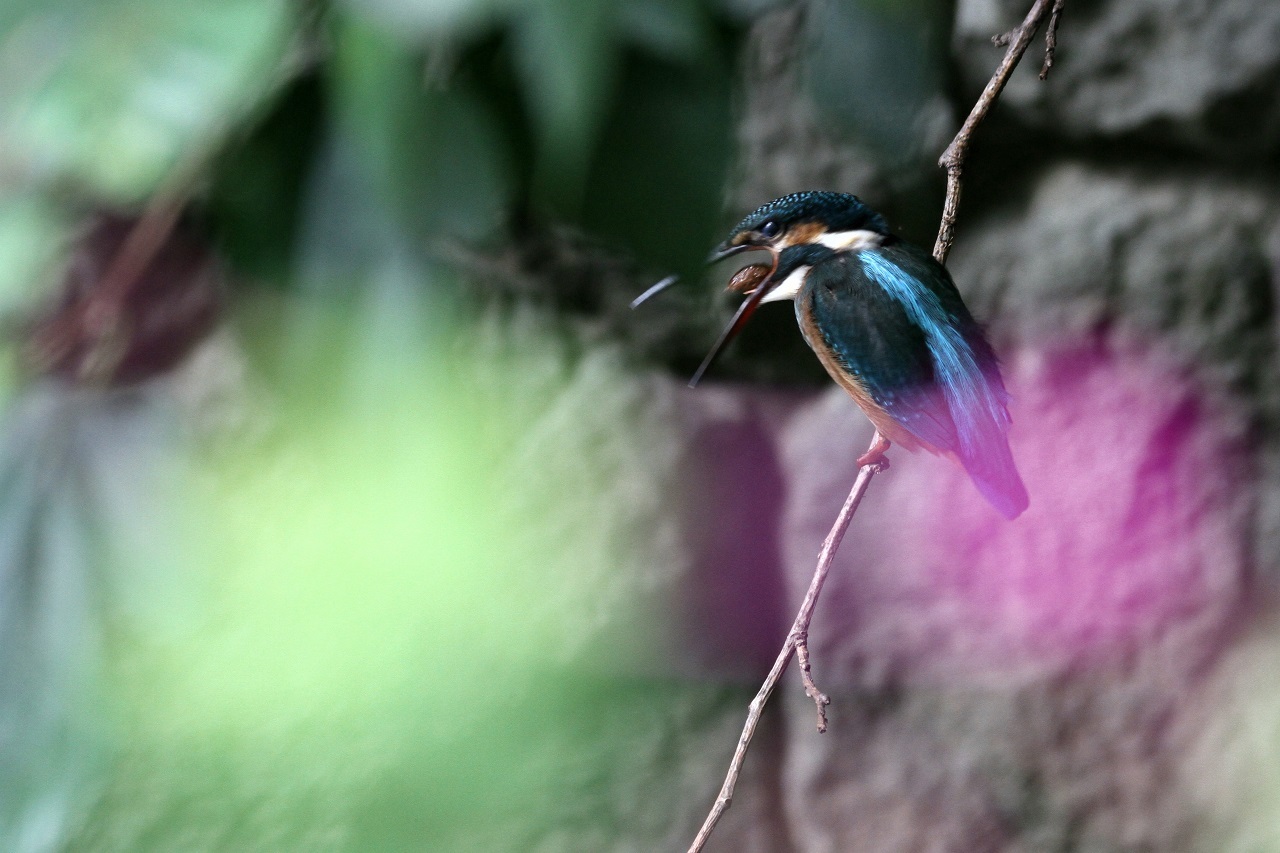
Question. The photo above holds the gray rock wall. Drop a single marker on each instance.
(1192, 74)
(1095, 675)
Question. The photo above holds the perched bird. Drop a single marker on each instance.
(887, 323)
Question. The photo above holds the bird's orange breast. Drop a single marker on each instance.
(853, 385)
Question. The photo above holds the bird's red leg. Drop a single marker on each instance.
(875, 453)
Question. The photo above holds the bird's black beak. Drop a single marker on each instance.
(719, 254)
(722, 251)
(744, 312)
(654, 291)
(740, 317)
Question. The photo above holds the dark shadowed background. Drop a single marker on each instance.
(346, 506)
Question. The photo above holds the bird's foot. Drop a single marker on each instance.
(875, 459)
(874, 456)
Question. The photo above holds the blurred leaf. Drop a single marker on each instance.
(88, 532)
(352, 254)
(255, 198)
(658, 182)
(429, 17)
(433, 157)
(376, 92)
(672, 29)
(567, 57)
(113, 94)
(33, 236)
(406, 646)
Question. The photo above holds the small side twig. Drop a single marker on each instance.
(806, 675)
(797, 638)
(1051, 38)
(952, 159)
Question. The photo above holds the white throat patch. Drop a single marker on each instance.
(789, 286)
(846, 241)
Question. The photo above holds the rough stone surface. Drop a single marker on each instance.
(1230, 746)
(918, 771)
(787, 142)
(782, 144)
(1183, 260)
(1185, 263)
(1126, 534)
(1201, 74)
(1013, 682)
(1087, 677)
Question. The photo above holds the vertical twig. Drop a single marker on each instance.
(796, 638)
(953, 158)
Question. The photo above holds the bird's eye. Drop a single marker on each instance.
(770, 229)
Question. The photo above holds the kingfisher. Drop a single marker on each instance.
(888, 324)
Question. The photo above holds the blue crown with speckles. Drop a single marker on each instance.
(836, 211)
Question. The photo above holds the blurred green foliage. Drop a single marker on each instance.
(878, 70)
(109, 97)
(469, 118)
(342, 629)
(381, 656)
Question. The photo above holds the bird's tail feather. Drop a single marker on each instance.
(996, 477)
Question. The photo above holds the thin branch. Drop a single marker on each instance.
(103, 312)
(953, 158)
(796, 638)
(140, 246)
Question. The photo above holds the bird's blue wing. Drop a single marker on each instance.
(873, 337)
(964, 365)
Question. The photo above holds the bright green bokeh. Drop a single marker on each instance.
(111, 95)
(376, 656)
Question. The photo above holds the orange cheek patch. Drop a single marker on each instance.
(804, 232)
